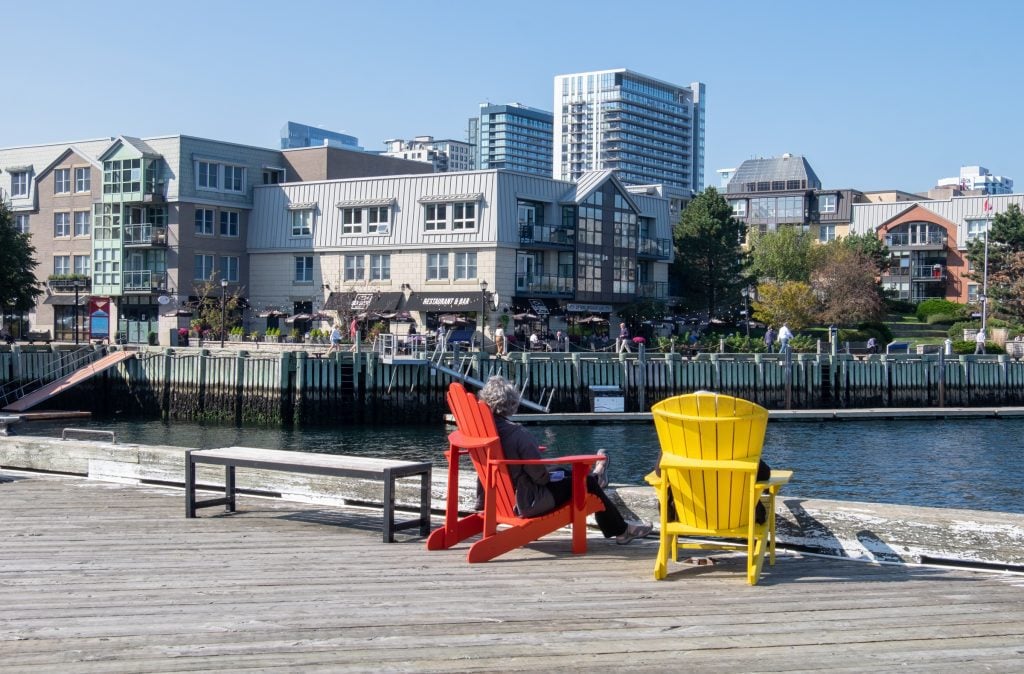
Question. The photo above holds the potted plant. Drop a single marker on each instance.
(254, 336)
(182, 336)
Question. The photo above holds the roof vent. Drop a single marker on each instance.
(786, 155)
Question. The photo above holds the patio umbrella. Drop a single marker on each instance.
(592, 320)
(526, 316)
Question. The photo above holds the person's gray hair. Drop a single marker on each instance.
(501, 396)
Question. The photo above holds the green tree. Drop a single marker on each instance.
(18, 285)
(782, 255)
(208, 310)
(1005, 246)
(870, 246)
(709, 262)
(791, 302)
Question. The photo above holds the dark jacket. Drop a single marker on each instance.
(530, 482)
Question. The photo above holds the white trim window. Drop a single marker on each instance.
(234, 178)
(62, 265)
(380, 267)
(82, 265)
(229, 268)
(826, 233)
(463, 216)
(204, 221)
(355, 269)
(351, 221)
(83, 223)
(465, 266)
(62, 181)
(827, 203)
(83, 179)
(203, 269)
(976, 229)
(62, 224)
(435, 217)
(301, 222)
(739, 207)
(437, 266)
(303, 268)
(378, 220)
(21, 222)
(19, 184)
(229, 223)
(207, 175)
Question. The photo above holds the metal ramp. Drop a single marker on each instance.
(439, 366)
(64, 383)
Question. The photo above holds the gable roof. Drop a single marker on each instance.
(137, 143)
(63, 155)
(925, 214)
(589, 182)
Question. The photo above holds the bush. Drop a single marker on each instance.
(940, 306)
(961, 348)
(876, 329)
(737, 343)
(943, 319)
(803, 344)
(900, 306)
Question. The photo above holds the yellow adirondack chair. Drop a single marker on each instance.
(710, 448)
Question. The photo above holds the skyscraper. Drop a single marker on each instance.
(513, 137)
(646, 130)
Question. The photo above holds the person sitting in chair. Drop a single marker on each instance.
(538, 490)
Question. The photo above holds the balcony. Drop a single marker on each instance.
(547, 236)
(903, 241)
(922, 274)
(655, 290)
(658, 249)
(542, 284)
(144, 281)
(145, 236)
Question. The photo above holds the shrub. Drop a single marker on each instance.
(803, 344)
(876, 329)
(900, 306)
(943, 319)
(961, 347)
(740, 344)
(940, 306)
(956, 331)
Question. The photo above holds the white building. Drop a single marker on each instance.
(425, 244)
(978, 178)
(445, 155)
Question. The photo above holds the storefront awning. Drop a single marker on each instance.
(66, 300)
(540, 306)
(444, 302)
(580, 308)
(363, 302)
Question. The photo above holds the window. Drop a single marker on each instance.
(465, 266)
(378, 220)
(62, 265)
(107, 266)
(21, 222)
(437, 266)
(19, 184)
(464, 216)
(83, 220)
(435, 217)
(62, 181)
(302, 222)
(203, 268)
(976, 229)
(206, 175)
(82, 265)
(354, 269)
(83, 179)
(826, 233)
(229, 269)
(273, 176)
(827, 203)
(62, 224)
(380, 267)
(973, 293)
(234, 178)
(204, 221)
(351, 221)
(229, 223)
(122, 175)
(304, 269)
(739, 207)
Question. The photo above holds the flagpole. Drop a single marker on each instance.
(984, 277)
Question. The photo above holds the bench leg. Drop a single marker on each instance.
(190, 485)
(229, 488)
(389, 506)
(425, 483)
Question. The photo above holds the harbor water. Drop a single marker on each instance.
(971, 463)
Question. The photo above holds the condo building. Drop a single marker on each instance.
(513, 137)
(443, 155)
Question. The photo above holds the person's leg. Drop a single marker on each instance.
(609, 520)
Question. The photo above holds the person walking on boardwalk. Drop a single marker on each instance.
(538, 490)
(335, 339)
(769, 339)
(784, 336)
(499, 341)
(622, 343)
(353, 333)
(979, 341)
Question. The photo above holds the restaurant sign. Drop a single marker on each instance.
(578, 308)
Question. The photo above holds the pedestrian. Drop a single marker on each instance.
(622, 343)
(442, 338)
(979, 341)
(872, 345)
(335, 339)
(559, 338)
(499, 341)
(784, 336)
(769, 339)
(353, 333)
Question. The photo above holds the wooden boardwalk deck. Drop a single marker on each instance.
(101, 577)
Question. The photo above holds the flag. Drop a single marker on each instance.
(987, 207)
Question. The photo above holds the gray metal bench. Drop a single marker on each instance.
(335, 465)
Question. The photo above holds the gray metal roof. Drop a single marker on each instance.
(787, 167)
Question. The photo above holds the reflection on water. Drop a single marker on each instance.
(975, 464)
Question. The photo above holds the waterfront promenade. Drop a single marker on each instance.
(104, 577)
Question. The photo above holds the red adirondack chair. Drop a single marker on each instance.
(477, 437)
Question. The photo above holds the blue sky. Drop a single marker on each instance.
(875, 94)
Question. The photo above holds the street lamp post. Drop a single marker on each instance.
(483, 311)
(746, 309)
(223, 309)
(77, 285)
